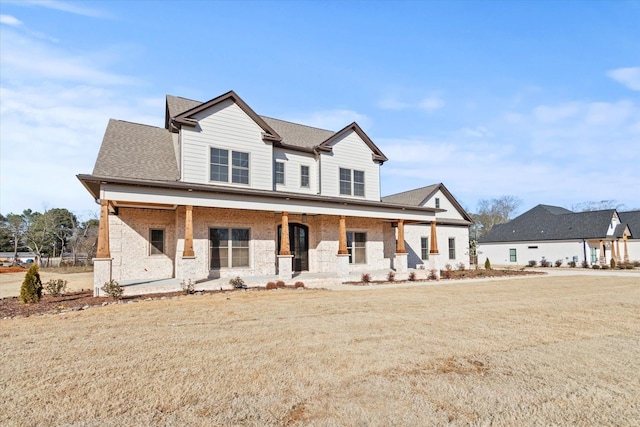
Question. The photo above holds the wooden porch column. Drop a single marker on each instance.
(103, 231)
(342, 239)
(400, 249)
(285, 248)
(618, 253)
(602, 254)
(613, 250)
(626, 250)
(188, 232)
(433, 241)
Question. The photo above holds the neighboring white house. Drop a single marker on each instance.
(553, 233)
(223, 192)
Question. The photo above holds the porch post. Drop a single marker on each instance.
(618, 257)
(613, 250)
(188, 232)
(433, 241)
(343, 252)
(285, 259)
(400, 257)
(626, 250)
(603, 258)
(102, 261)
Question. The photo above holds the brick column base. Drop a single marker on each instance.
(342, 266)
(285, 267)
(101, 274)
(400, 263)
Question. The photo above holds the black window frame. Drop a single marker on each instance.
(156, 246)
(513, 255)
(357, 245)
(229, 247)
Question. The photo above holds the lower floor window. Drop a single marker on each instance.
(424, 248)
(512, 255)
(156, 242)
(229, 247)
(357, 246)
(594, 256)
(452, 248)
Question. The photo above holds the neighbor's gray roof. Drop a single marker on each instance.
(632, 219)
(414, 197)
(545, 222)
(132, 150)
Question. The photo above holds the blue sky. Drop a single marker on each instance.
(537, 99)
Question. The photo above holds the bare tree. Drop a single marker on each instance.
(493, 212)
(597, 206)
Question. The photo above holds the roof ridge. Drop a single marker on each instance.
(139, 124)
(415, 189)
(186, 99)
(297, 124)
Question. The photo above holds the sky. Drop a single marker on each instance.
(536, 99)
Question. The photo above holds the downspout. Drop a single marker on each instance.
(319, 172)
(584, 249)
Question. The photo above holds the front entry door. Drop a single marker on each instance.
(299, 244)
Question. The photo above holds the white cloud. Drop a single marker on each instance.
(393, 104)
(428, 104)
(630, 77)
(553, 114)
(63, 6)
(10, 20)
(431, 103)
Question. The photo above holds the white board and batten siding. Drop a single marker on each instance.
(292, 163)
(225, 126)
(349, 152)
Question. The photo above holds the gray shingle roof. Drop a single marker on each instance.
(297, 135)
(545, 222)
(632, 219)
(131, 150)
(178, 105)
(414, 197)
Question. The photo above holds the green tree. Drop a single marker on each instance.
(31, 289)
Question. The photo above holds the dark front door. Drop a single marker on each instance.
(299, 244)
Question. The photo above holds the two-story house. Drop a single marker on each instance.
(222, 192)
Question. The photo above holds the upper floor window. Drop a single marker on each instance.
(279, 169)
(437, 203)
(220, 166)
(351, 183)
(304, 176)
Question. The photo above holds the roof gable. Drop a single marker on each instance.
(420, 196)
(376, 152)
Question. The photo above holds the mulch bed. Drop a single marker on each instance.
(457, 275)
(12, 270)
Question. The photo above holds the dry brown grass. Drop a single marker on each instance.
(540, 351)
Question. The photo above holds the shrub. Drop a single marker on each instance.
(636, 263)
(604, 267)
(412, 276)
(480, 273)
(595, 267)
(113, 289)
(629, 266)
(365, 278)
(533, 263)
(271, 285)
(585, 264)
(187, 287)
(432, 274)
(460, 266)
(572, 264)
(558, 262)
(280, 284)
(237, 283)
(31, 289)
(391, 276)
(446, 273)
(487, 264)
(544, 263)
(613, 264)
(56, 287)
(298, 285)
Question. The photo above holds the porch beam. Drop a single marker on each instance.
(342, 239)
(285, 247)
(103, 231)
(400, 248)
(188, 232)
(433, 241)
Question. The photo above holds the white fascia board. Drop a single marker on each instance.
(124, 193)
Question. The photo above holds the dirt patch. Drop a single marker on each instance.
(12, 270)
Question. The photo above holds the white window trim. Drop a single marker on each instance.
(427, 258)
(229, 180)
(366, 247)
(284, 173)
(352, 182)
(308, 176)
(230, 248)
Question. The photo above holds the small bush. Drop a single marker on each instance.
(629, 266)
(480, 273)
(365, 278)
(636, 263)
(544, 263)
(187, 287)
(533, 263)
(237, 283)
(446, 273)
(572, 264)
(271, 285)
(613, 263)
(298, 285)
(391, 276)
(432, 274)
(412, 276)
(585, 264)
(280, 284)
(31, 289)
(487, 264)
(56, 287)
(595, 267)
(558, 263)
(604, 267)
(460, 266)
(113, 289)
